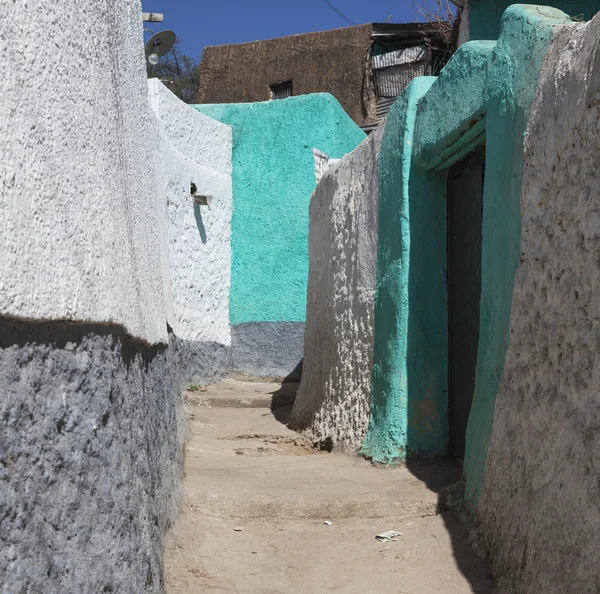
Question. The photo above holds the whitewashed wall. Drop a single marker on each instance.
(80, 218)
(198, 149)
(84, 237)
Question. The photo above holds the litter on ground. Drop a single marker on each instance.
(388, 535)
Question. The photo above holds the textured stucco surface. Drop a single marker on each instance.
(334, 396)
(428, 131)
(195, 149)
(273, 179)
(538, 511)
(451, 120)
(511, 82)
(90, 458)
(90, 429)
(79, 214)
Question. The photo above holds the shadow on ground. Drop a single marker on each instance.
(441, 475)
(284, 397)
(431, 417)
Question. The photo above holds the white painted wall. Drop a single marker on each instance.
(96, 218)
(195, 148)
(333, 400)
(538, 510)
(80, 218)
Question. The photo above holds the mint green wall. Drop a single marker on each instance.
(483, 95)
(409, 407)
(513, 75)
(485, 16)
(273, 179)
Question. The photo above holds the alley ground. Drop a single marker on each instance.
(257, 497)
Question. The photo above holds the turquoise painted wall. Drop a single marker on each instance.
(482, 96)
(409, 405)
(273, 179)
(513, 76)
(485, 16)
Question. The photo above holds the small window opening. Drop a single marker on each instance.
(281, 90)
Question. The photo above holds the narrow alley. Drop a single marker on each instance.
(258, 499)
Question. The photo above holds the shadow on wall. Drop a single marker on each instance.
(199, 223)
(427, 338)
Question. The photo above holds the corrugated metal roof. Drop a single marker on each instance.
(390, 82)
(403, 56)
(384, 104)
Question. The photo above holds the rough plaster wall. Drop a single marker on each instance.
(266, 350)
(77, 185)
(512, 79)
(273, 180)
(90, 458)
(410, 359)
(538, 511)
(334, 396)
(91, 434)
(198, 149)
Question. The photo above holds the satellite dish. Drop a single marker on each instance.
(158, 45)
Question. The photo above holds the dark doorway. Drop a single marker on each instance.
(464, 216)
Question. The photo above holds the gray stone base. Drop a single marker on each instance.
(200, 363)
(91, 452)
(268, 349)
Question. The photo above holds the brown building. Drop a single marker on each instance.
(365, 67)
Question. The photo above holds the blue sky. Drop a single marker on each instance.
(213, 22)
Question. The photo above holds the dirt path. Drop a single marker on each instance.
(257, 497)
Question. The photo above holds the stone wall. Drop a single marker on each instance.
(538, 512)
(334, 396)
